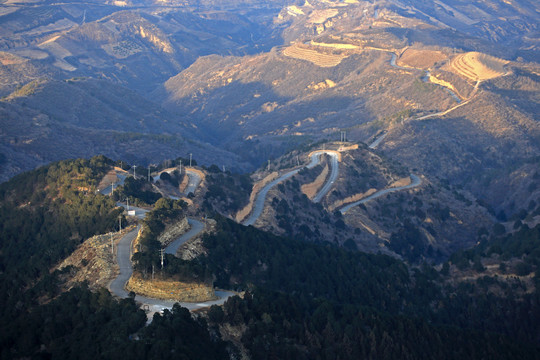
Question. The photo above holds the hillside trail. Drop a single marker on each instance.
(415, 181)
(383, 135)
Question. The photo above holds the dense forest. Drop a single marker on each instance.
(418, 301)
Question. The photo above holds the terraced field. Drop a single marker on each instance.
(313, 56)
(478, 67)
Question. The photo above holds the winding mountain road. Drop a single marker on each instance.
(315, 157)
(194, 179)
(258, 205)
(415, 181)
(123, 255)
(196, 228)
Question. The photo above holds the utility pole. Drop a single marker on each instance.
(190, 156)
(162, 253)
(180, 166)
(134, 175)
(148, 173)
(120, 223)
(112, 187)
(152, 271)
(297, 160)
(268, 165)
(127, 203)
(112, 245)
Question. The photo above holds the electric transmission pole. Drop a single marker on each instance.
(162, 254)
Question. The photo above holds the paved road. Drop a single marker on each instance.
(415, 181)
(261, 196)
(196, 227)
(393, 63)
(193, 182)
(334, 172)
(123, 251)
(258, 206)
(378, 140)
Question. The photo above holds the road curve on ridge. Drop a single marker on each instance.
(334, 172)
(415, 181)
(196, 228)
(258, 206)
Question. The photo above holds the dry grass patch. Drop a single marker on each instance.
(320, 16)
(170, 289)
(311, 189)
(421, 59)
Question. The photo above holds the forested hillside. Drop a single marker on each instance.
(44, 215)
(312, 300)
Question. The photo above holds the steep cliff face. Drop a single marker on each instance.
(93, 261)
(173, 231)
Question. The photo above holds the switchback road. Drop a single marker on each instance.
(415, 181)
(315, 160)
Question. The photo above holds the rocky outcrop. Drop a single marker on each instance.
(173, 231)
